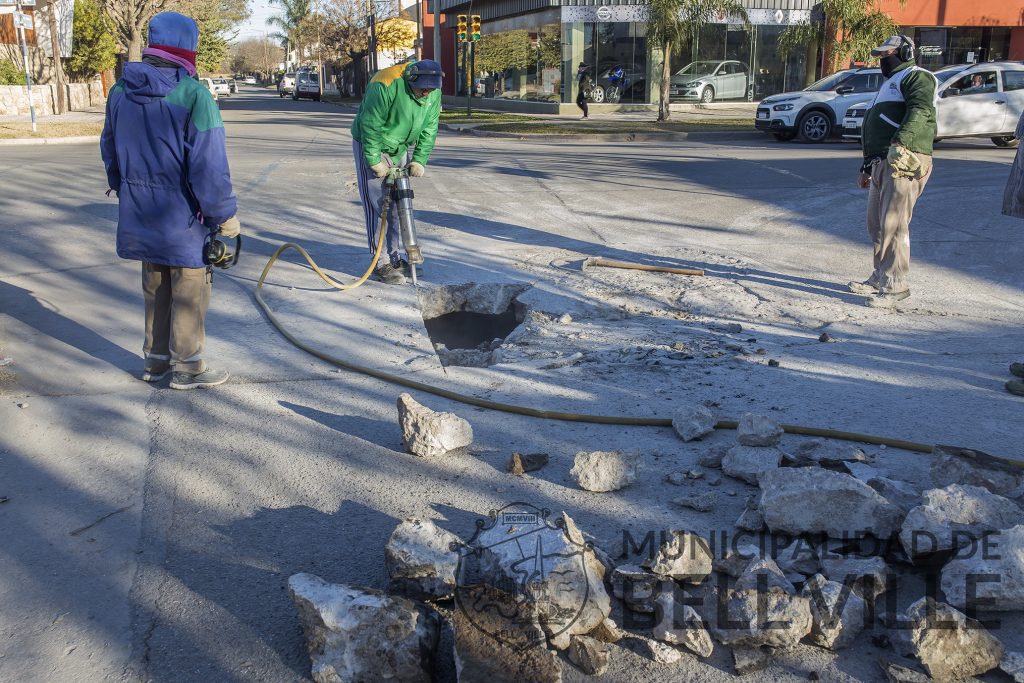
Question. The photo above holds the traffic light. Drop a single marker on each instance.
(474, 27)
(461, 31)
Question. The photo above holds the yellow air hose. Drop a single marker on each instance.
(525, 410)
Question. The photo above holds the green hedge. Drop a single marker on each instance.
(11, 73)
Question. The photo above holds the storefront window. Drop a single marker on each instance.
(616, 53)
(520, 64)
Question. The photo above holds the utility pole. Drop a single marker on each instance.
(372, 40)
(58, 68)
(437, 31)
(18, 19)
(319, 48)
(419, 30)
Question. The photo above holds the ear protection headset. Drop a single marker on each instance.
(906, 49)
(217, 253)
(414, 72)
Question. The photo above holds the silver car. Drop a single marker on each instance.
(708, 81)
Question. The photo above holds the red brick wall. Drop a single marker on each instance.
(956, 12)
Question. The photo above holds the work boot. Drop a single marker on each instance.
(1017, 369)
(869, 286)
(206, 378)
(1015, 387)
(390, 273)
(155, 370)
(887, 299)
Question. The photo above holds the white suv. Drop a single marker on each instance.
(815, 112)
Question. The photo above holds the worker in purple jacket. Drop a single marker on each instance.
(164, 151)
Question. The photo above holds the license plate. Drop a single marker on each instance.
(762, 114)
(850, 125)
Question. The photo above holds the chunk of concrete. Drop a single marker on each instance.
(589, 654)
(683, 556)
(748, 660)
(693, 422)
(829, 453)
(900, 673)
(604, 471)
(636, 587)
(428, 433)
(713, 458)
(679, 624)
(955, 517)
(607, 632)
(869, 577)
(993, 569)
(953, 465)
(421, 559)
(701, 502)
(838, 614)
(750, 463)
(652, 649)
(519, 464)
(800, 557)
(949, 645)
(1013, 666)
(813, 500)
(735, 560)
(758, 430)
(359, 634)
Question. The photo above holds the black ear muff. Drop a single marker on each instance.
(906, 51)
(414, 72)
(217, 253)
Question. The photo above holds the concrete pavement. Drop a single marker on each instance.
(205, 502)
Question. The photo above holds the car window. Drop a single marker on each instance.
(830, 82)
(863, 82)
(1013, 80)
(977, 83)
(697, 68)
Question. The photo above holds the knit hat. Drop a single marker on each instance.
(174, 37)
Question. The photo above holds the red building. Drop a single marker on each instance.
(962, 31)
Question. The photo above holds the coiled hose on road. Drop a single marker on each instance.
(517, 409)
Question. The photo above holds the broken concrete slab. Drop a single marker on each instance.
(750, 519)
(490, 646)
(838, 614)
(421, 559)
(1013, 666)
(359, 634)
(991, 572)
(758, 430)
(654, 650)
(829, 453)
(748, 660)
(589, 654)
(735, 560)
(713, 458)
(428, 433)
(701, 502)
(799, 556)
(636, 587)
(949, 645)
(683, 556)
(901, 673)
(607, 632)
(813, 500)
(679, 624)
(693, 422)
(955, 517)
(900, 493)
(519, 464)
(869, 577)
(604, 471)
(749, 463)
(954, 465)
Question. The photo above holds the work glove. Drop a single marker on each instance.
(381, 168)
(903, 162)
(416, 170)
(231, 227)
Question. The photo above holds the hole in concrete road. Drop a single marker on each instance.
(466, 323)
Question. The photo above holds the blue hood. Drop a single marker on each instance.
(144, 82)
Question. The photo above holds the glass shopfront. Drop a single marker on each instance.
(516, 59)
(943, 46)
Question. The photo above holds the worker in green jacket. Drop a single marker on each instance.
(396, 125)
(897, 138)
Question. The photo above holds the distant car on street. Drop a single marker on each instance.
(221, 86)
(815, 112)
(233, 85)
(307, 84)
(983, 100)
(286, 86)
(708, 81)
(208, 83)
(249, 80)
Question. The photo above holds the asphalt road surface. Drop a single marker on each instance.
(149, 533)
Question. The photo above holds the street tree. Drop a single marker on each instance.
(130, 19)
(498, 53)
(256, 55)
(672, 23)
(395, 35)
(92, 36)
(288, 22)
(847, 29)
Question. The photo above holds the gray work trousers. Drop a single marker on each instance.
(890, 207)
(371, 192)
(176, 303)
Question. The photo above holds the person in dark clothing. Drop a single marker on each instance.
(164, 153)
(582, 78)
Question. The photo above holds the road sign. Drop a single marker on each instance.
(23, 21)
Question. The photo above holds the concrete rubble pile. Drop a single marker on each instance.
(823, 540)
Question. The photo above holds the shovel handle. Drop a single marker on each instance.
(609, 263)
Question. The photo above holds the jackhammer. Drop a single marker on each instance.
(400, 190)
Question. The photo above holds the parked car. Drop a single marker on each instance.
(983, 100)
(233, 85)
(286, 85)
(813, 113)
(249, 80)
(307, 84)
(708, 81)
(221, 86)
(208, 82)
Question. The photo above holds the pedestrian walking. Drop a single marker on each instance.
(583, 87)
(1013, 205)
(164, 151)
(897, 142)
(396, 124)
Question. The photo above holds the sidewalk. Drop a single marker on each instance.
(90, 115)
(76, 127)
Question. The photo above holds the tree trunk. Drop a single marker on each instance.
(811, 63)
(135, 45)
(666, 79)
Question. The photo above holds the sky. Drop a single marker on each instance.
(256, 26)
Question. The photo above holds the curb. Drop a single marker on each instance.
(608, 137)
(71, 140)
